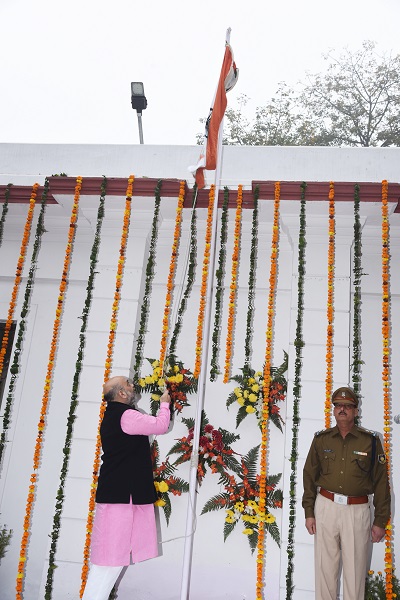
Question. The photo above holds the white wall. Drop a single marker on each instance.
(241, 164)
(220, 570)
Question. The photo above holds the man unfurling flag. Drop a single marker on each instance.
(227, 80)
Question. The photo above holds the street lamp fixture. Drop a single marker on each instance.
(139, 103)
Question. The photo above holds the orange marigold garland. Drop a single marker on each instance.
(265, 411)
(204, 279)
(233, 286)
(171, 274)
(46, 393)
(330, 307)
(18, 275)
(107, 371)
(386, 375)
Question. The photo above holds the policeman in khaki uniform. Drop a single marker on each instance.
(345, 465)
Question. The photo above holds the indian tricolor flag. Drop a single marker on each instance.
(227, 80)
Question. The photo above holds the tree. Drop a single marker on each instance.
(355, 102)
(275, 124)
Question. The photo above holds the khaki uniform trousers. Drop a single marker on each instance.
(343, 531)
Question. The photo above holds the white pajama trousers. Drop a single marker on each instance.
(100, 582)
(343, 531)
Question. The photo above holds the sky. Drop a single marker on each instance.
(66, 67)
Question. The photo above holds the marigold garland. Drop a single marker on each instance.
(55, 533)
(46, 393)
(219, 288)
(171, 274)
(144, 309)
(265, 410)
(330, 307)
(18, 276)
(233, 286)
(189, 277)
(4, 210)
(14, 368)
(107, 371)
(204, 278)
(298, 367)
(386, 376)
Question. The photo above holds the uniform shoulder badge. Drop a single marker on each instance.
(318, 433)
(381, 459)
(370, 431)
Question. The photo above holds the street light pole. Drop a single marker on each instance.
(139, 103)
(139, 118)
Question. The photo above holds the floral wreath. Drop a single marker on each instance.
(249, 393)
(241, 501)
(215, 450)
(179, 381)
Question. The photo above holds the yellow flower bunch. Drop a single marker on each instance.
(161, 486)
(179, 380)
(230, 516)
(160, 502)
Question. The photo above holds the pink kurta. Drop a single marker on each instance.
(122, 530)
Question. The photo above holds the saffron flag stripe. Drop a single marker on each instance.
(208, 157)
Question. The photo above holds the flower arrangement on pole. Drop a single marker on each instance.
(179, 380)
(241, 501)
(215, 450)
(249, 393)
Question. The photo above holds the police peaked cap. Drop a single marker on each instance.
(345, 395)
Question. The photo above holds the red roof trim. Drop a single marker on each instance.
(20, 194)
(316, 190)
(144, 187)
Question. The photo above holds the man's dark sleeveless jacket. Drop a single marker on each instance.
(126, 469)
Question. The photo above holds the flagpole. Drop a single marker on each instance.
(193, 484)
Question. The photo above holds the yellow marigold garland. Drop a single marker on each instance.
(233, 286)
(204, 278)
(386, 375)
(330, 307)
(171, 274)
(265, 411)
(107, 371)
(46, 393)
(18, 275)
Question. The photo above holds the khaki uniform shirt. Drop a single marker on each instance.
(343, 466)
